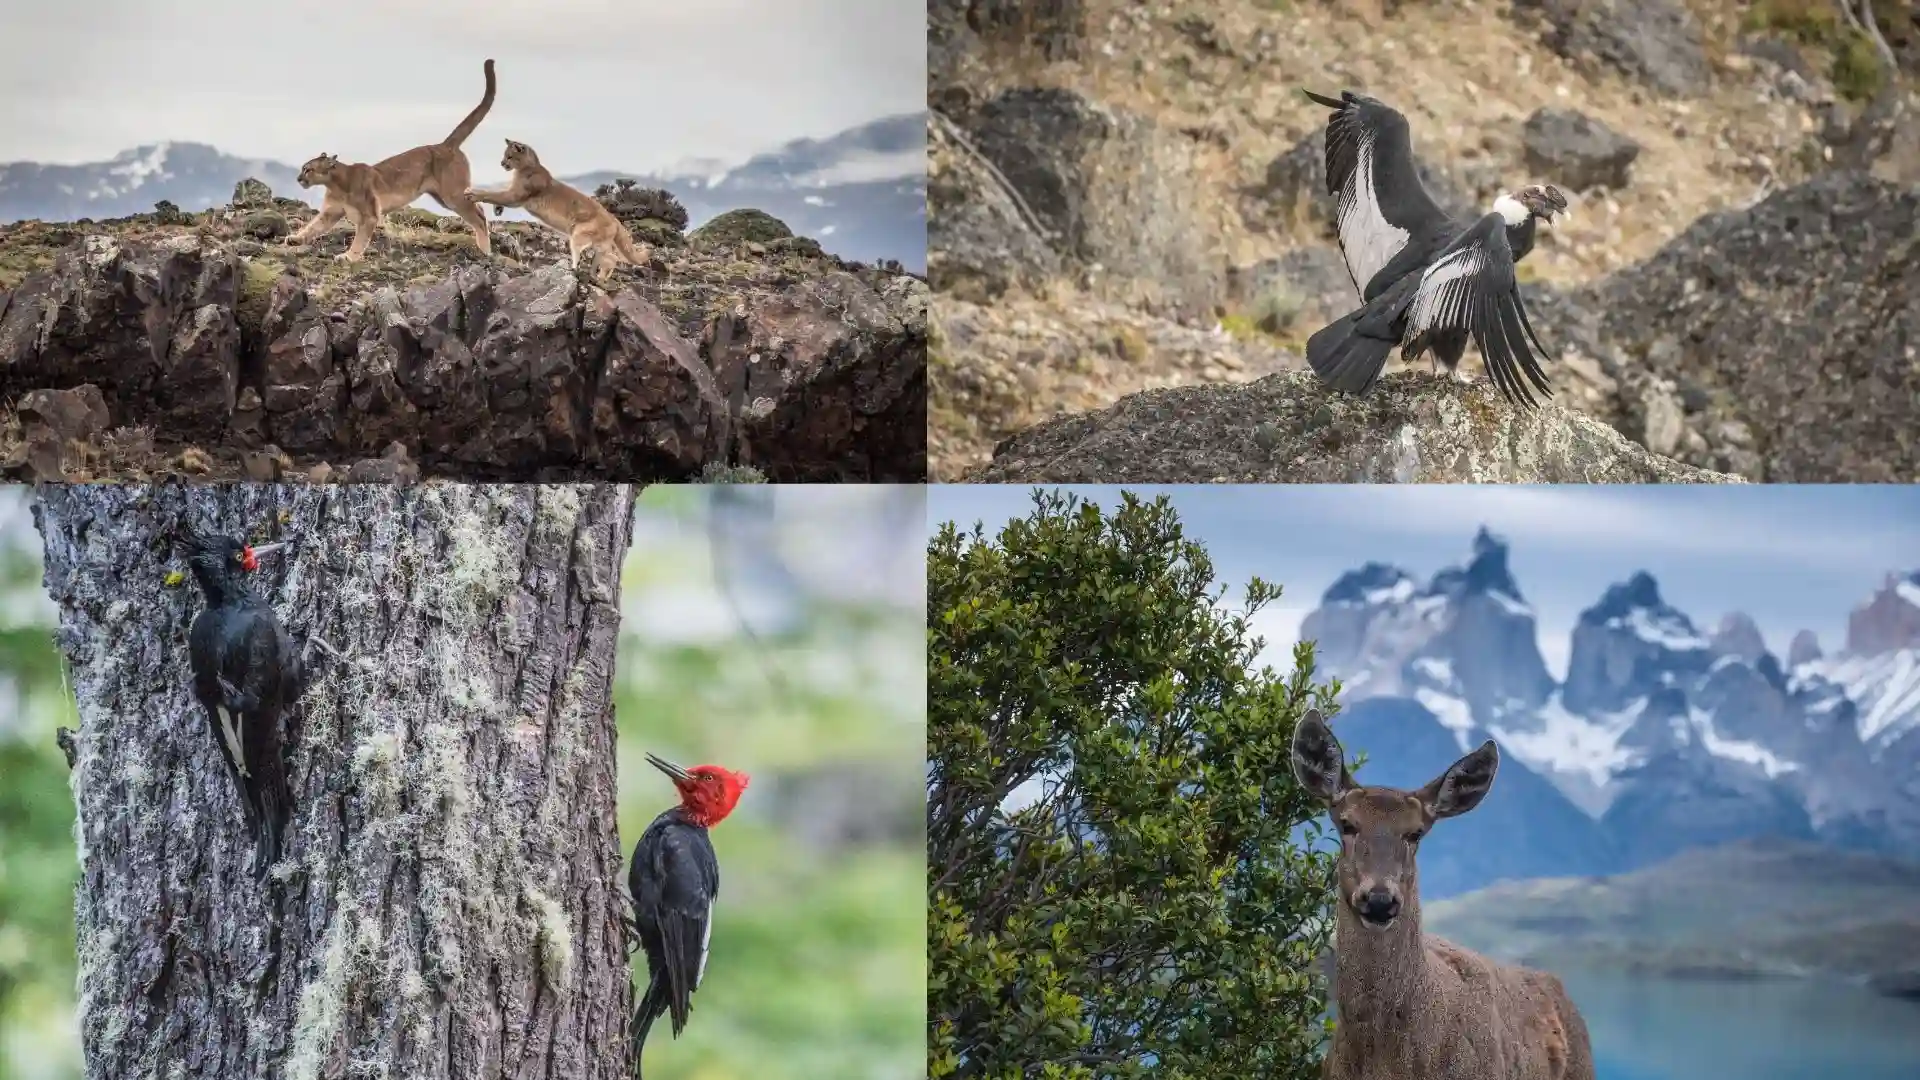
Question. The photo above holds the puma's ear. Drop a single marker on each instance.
(1464, 784)
(1318, 762)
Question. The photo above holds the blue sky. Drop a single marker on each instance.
(1792, 557)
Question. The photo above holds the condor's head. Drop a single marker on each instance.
(1543, 201)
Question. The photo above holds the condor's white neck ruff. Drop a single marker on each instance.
(1511, 209)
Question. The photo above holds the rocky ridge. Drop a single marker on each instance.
(195, 344)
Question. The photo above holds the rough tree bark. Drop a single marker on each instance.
(448, 903)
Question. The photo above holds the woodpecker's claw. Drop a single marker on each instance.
(676, 772)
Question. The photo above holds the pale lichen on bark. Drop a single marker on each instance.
(449, 902)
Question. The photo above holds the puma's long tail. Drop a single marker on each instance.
(478, 114)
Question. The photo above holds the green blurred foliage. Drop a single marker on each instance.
(1146, 913)
(818, 963)
(37, 865)
(818, 967)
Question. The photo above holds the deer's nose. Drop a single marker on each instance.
(1378, 905)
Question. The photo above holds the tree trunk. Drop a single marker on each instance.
(448, 903)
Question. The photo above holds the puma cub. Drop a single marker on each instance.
(565, 209)
(364, 193)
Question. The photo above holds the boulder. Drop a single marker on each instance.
(1657, 42)
(1575, 151)
(1114, 193)
(980, 241)
(1290, 428)
(1788, 330)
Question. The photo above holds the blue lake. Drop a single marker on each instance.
(1668, 1029)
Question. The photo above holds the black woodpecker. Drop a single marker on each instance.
(246, 673)
(674, 879)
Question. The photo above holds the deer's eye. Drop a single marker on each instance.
(1347, 828)
(1414, 836)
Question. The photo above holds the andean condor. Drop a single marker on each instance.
(1428, 282)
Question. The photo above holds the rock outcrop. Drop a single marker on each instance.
(1786, 334)
(1413, 428)
(193, 336)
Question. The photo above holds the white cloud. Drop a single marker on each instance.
(592, 84)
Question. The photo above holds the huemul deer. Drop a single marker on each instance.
(1413, 1006)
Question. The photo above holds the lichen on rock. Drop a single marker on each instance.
(1289, 428)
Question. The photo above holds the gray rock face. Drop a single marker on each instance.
(1114, 190)
(1576, 151)
(979, 242)
(1889, 621)
(1655, 41)
(1796, 320)
(1289, 427)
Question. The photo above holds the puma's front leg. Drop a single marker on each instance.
(330, 214)
(504, 197)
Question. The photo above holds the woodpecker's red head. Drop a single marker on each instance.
(707, 792)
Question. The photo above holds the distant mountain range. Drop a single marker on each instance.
(861, 193)
(1663, 737)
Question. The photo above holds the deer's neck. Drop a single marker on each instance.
(1379, 973)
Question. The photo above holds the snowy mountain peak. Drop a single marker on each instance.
(1738, 635)
(1374, 583)
(1804, 648)
(1656, 718)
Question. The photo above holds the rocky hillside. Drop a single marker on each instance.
(1804, 910)
(1127, 198)
(861, 193)
(197, 344)
(1663, 736)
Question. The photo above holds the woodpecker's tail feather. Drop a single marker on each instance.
(652, 1004)
(1346, 359)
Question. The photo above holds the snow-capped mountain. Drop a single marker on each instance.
(861, 193)
(1663, 735)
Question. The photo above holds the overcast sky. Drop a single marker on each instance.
(1792, 557)
(629, 85)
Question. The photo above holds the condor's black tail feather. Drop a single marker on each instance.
(1345, 357)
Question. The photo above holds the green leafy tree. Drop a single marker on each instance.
(1114, 887)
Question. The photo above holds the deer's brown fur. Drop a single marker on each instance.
(363, 194)
(1412, 1006)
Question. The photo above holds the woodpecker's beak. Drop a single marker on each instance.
(674, 772)
(268, 549)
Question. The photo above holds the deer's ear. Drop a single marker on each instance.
(1318, 762)
(1464, 784)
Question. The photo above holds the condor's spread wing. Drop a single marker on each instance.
(1379, 199)
(1470, 287)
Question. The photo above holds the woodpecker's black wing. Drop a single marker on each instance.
(674, 879)
(241, 658)
(1470, 287)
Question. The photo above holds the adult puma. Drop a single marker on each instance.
(568, 210)
(364, 193)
